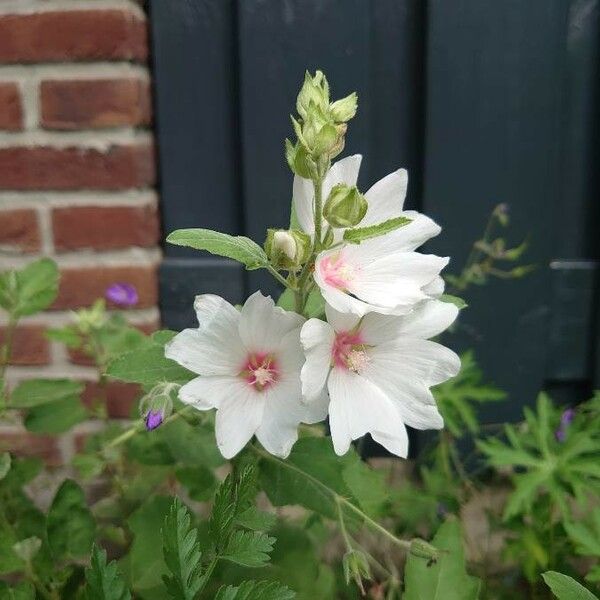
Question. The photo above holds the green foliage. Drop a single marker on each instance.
(566, 588)
(445, 578)
(357, 235)
(255, 590)
(70, 525)
(103, 580)
(239, 248)
(20, 591)
(248, 548)
(5, 461)
(148, 365)
(458, 397)
(34, 392)
(314, 307)
(29, 290)
(561, 469)
(182, 554)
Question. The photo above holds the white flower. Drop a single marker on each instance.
(384, 274)
(378, 371)
(249, 364)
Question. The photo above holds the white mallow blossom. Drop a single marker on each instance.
(249, 365)
(378, 370)
(383, 274)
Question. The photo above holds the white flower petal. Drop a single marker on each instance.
(343, 171)
(386, 198)
(263, 325)
(317, 340)
(409, 237)
(317, 410)
(357, 407)
(428, 319)
(341, 321)
(238, 417)
(282, 414)
(204, 393)
(435, 288)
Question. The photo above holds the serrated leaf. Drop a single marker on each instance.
(446, 578)
(70, 525)
(238, 248)
(29, 290)
(255, 519)
(103, 581)
(248, 548)
(566, 588)
(181, 551)
(148, 366)
(35, 392)
(256, 590)
(356, 235)
(55, 417)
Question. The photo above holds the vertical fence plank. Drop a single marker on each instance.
(195, 75)
(494, 90)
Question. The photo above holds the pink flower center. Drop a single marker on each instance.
(260, 370)
(349, 352)
(337, 271)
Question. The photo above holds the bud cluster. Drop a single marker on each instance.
(157, 404)
(320, 128)
(287, 249)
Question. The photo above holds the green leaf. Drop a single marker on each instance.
(445, 579)
(182, 554)
(585, 535)
(356, 235)
(255, 590)
(255, 519)
(456, 300)
(248, 548)
(29, 290)
(55, 417)
(40, 391)
(4, 464)
(238, 248)
(19, 591)
(70, 525)
(200, 482)
(148, 366)
(367, 485)
(566, 588)
(314, 307)
(103, 580)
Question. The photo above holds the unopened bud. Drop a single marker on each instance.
(344, 109)
(314, 94)
(89, 319)
(299, 160)
(345, 206)
(356, 567)
(423, 549)
(287, 249)
(157, 405)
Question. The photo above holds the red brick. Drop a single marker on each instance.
(11, 111)
(81, 286)
(24, 444)
(44, 167)
(120, 398)
(104, 227)
(77, 35)
(29, 347)
(19, 229)
(95, 103)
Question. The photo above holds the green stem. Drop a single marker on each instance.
(404, 544)
(280, 277)
(6, 352)
(318, 187)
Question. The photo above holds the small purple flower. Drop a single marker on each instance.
(154, 419)
(122, 294)
(565, 421)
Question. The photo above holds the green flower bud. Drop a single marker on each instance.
(89, 319)
(299, 161)
(314, 94)
(356, 567)
(344, 109)
(287, 249)
(423, 549)
(345, 206)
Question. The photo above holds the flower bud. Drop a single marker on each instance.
(423, 549)
(89, 319)
(356, 567)
(299, 160)
(345, 206)
(157, 405)
(314, 94)
(344, 109)
(287, 249)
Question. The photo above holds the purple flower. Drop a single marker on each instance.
(154, 418)
(122, 294)
(565, 420)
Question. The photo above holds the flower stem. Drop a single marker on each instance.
(340, 500)
(280, 277)
(6, 350)
(318, 187)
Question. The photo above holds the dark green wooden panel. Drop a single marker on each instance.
(495, 85)
(195, 81)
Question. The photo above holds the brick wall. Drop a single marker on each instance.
(77, 175)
